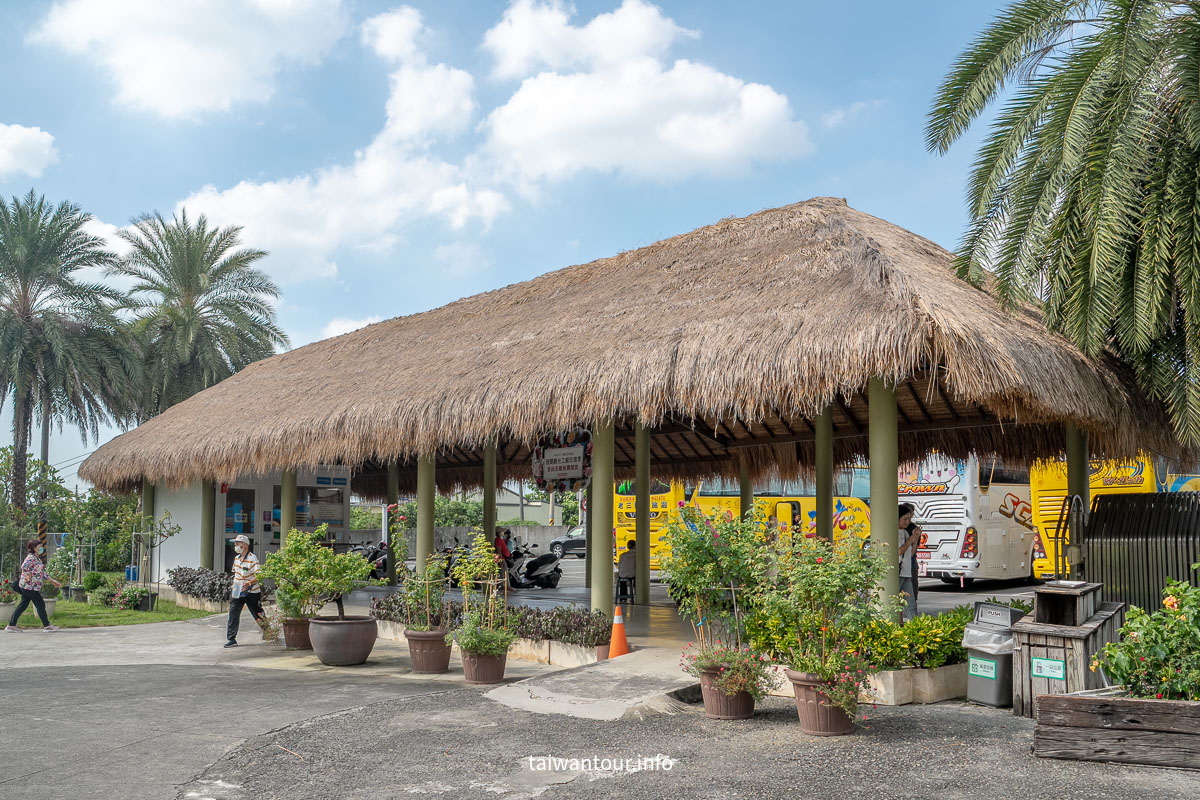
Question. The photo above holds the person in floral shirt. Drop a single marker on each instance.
(33, 577)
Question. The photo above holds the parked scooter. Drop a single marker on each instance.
(377, 554)
(541, 571)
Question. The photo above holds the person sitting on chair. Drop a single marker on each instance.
(627, 568)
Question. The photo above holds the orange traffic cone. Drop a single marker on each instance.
(619, 645)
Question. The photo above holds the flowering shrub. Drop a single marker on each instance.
(813, 614)
(8, 592)
(1159, 653)
(129, 598)
(738, 669)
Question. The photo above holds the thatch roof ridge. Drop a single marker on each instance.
(778, 312)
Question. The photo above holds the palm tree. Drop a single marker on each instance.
(1085, 195)
(61, 347)
(201, 311)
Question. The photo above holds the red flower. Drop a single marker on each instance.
(1159, 695)
(819, 559)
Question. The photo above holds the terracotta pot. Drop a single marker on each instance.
(481, 669)
(428, 651)
(718, 705)
(818, 716)
(342, 642)
(295, 634)
(602, 652)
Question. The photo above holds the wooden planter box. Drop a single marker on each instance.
(1054, 659)
(1102, 725)
(936, 685)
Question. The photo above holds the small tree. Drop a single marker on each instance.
(308, 575)
(485, 610)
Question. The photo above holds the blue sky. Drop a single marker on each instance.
(393, 158)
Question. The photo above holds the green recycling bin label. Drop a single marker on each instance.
(983, 667)
(1053, 668)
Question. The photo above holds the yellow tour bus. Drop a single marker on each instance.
(792, 503)
(1049, 490)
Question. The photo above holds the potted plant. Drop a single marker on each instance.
(308, 575)
(423, 597)
(812, 617)
(134, 598)
(716, 565)
(8, 600)
(484, 635)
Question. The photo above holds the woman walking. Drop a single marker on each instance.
(29, 586)
(247, 591)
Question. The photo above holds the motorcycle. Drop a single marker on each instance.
(377, 554)
(541, 571)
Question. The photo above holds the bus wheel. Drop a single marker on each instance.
(955, 581)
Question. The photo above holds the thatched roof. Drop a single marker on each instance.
(725, 339)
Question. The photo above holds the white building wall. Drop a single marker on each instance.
(182, 549)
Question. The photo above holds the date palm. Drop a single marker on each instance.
(1085, 195)
(61, 347)
(201, 310)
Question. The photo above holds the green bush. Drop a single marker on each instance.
(93, 581)
(475, 637)
(1159, 653)
(309, 575)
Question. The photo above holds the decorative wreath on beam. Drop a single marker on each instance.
(576, 437)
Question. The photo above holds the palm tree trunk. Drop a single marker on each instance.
(22, 411)
(43, 520)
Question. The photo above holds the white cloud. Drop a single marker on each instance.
(394, 34)
(459, 259)
(184, 57)
(533, 34)
(303, 221)
(25, 150)
(115, 244)
(339, 325)
(833, 119)
(623, 108)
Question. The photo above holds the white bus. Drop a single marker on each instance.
(976, 518)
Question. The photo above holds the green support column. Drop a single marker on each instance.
(1078, 469)
(641, 459)
(588, 518)
(746, 495)
(883, 447)
(287, 504)
(426, 490)
(393, 497)
(147, 498)
(489, 491)
(208, 517)
(603, 468)
(824, 465)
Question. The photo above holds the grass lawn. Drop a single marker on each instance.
(82, 615)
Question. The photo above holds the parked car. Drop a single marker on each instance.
(573, 541)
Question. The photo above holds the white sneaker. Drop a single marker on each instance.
(50, 628)
(13, 628)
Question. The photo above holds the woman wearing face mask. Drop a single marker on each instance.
(33, 575)
(247, 591)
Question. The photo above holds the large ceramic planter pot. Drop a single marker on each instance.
(818, 716)
(428, 651)
(78, 594)
(295, 634)
(148, 602)
(6, 610)
(49, 606)
(718, 705)
(342, 642)
(481, 669)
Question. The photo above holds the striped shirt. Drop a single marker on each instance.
(245, 573)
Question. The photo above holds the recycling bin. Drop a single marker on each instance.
(989, 641)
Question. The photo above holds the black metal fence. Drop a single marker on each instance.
(1133, 542)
